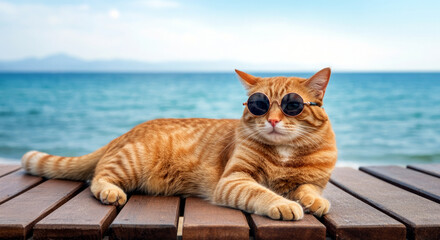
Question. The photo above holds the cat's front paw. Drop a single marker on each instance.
(113, 196)
(286, 210)
(315, 204)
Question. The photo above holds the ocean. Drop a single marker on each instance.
(378, 118)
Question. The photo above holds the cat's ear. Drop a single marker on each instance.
(318, 83)
(247, 79)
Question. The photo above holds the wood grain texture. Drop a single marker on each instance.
(83, 217)
(350, 218)
(431, 169)
(413, 181)
(147, 217)
(307, 228)
(20, 214)
(203, 220)
(419, 214)
(8, 168)
(15, 183)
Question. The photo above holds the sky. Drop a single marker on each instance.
(346, 35)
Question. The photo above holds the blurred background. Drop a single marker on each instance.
(76, 74)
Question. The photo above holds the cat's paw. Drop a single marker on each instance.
(113, 196)
(286, 210)
(315, 204)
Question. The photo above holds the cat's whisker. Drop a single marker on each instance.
(311, 141)
(235, 140)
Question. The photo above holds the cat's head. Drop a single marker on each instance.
(275, 127)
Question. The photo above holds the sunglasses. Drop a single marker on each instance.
(292, 104)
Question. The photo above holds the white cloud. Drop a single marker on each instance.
(84, 7)
(7, 8)
(160, 4)
(114, 13)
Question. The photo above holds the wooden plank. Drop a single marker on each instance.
(307, 228)
(147, 217)
(15, 183)
(420, 215)
(8, 168)
(350, 218)
(431, 169)
(413, 181)
(20, 214)
(203, 220)
(83, 217)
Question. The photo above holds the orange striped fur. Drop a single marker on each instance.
(237, 163)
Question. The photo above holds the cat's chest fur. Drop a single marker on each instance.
(284, 153)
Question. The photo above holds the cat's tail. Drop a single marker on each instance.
(50, 166)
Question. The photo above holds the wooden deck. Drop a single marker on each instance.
(386, 202)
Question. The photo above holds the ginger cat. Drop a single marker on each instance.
(279, 155)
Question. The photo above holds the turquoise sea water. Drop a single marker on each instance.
(379, 118)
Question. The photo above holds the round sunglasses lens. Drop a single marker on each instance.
(258, 104)
(292, 104)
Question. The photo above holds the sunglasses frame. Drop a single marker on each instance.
(278, 102)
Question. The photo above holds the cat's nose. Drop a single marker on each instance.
(273, 122)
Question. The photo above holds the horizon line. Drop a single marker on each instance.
(206, 71)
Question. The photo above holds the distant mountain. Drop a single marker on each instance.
(67, 63)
